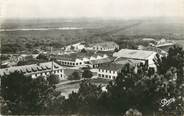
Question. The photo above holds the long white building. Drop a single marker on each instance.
(111, 70)
(105, 46)
(36, 70)
(77, 46)
(79, 59)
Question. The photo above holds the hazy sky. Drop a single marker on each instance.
(90, 8)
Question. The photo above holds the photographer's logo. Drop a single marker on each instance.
(165, 102)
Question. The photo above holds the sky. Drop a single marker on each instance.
(91, 8)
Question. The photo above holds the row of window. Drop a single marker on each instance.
(42, 74)
(71, 63)
(68, 63)
(97, 65)
(57, 71)
(106, 76)
(79, 63)
(100, 48)
(47, 73)
(110, 71)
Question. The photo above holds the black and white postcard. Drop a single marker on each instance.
(92, 57)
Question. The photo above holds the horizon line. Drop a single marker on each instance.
(100, 18)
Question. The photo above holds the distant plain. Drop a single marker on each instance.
(90, 30)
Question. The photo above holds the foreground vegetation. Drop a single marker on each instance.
(142, 91)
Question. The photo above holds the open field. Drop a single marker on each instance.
(157, 27)
(66, 87)
(91, 31)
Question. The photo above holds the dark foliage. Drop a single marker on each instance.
(116, 50)
(143, 91)
(175, 58)
(11, 48)
(83, 50)
(24, 95)
(87, 74)
(86, 98)
(42, 57)
(21, 63)
(53, 79)
(4, 57)
(74, 76)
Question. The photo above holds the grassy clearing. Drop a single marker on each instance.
(99, 81)
(68, 86)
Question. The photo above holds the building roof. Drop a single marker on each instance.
(65, 57)
(148, 39)
(111, 66)
(30, 68)
(164, 42)
(155, 49)
(101, 61)
(124, 61)
(134, 54)
(109, 53)
(106, 44)
(165, 48)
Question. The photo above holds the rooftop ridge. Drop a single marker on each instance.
(136, 54)
(29, 68)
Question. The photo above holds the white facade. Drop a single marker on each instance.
(80, 61)
(36, 70)
(58, 72)
(107, 74)
(92, 58)
(101, 48)
(86, 59)
(151, 62)
(76, 62)
(105, 46)
(77, 46)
